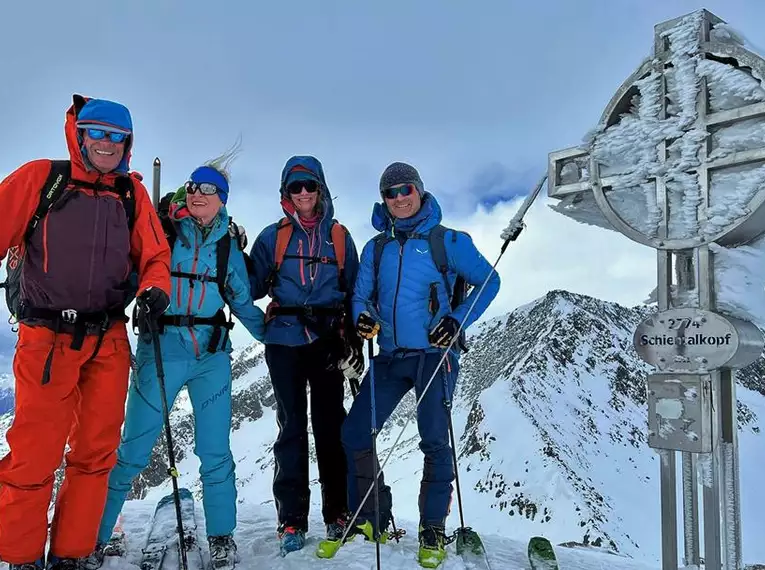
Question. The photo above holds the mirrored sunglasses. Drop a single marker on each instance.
(205, 188)
(296, 187)
(405, 190)
(98, 134)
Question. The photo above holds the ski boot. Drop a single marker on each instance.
(368, 531)
(432, 550)
(95, 559)
(36, 565)
(115, 547)
(331, 544)
(290, 539)
(56, 563)
(222, 551)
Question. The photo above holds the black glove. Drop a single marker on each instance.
(366, 326)
(149, 307)
(352, 366)
(443, 333)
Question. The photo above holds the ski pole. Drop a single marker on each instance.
(155, 182)
(172, 471)
(510, 233)
(376, 534)
(448, 405)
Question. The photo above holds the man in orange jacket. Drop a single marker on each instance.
(72, 360)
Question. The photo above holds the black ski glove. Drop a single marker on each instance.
(366, 326)
(352, 366)
(443, 333)
(149, 307)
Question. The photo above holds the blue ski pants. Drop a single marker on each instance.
(208, 379)
(395, 374)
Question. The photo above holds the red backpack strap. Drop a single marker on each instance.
(338, 233)
(283, 235)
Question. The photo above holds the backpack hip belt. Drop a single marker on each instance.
(78, 324)
(218, 321)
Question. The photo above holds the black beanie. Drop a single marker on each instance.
(401, 173)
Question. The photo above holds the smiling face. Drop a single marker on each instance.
(203, 207)
(103, 154)
(404, 206)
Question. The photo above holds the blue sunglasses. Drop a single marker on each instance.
(98, 134)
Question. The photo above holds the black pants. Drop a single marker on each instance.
(291, 368)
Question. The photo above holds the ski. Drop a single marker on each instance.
(542, 554)
(470, 547)
(162, 550)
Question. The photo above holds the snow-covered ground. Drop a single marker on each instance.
(259, 548)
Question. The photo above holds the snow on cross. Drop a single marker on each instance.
(677, 162)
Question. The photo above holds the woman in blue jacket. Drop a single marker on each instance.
(408, 301)
(194, 354)
(310, 340)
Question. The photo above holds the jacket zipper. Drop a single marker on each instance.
(45, 244)
(398, 285)
(93, 249)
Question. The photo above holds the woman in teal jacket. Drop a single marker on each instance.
(195, 355)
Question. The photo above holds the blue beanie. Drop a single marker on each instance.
(210, 175)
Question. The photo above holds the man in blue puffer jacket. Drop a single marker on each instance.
(310, 340)
(194, 354)
(408, 303)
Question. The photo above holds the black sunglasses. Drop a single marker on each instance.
(391, 193)
(296, 187)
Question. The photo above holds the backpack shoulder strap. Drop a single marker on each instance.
(222, 252)
(58, 178)
(283, 235)
(437, 244)
(380, 241)
(124, 187)
(338, 233)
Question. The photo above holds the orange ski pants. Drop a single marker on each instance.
(84, 404)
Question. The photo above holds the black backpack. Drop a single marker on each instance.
(57, 180)
(437, 245)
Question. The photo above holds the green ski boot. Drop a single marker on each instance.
(432, 551)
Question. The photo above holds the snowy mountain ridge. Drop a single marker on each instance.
(550, 422)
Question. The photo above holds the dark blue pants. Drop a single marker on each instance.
(394, 376)
(292, 369)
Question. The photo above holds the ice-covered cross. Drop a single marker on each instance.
(678, 157)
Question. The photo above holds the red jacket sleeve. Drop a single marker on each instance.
(19, 197)
(148, 245)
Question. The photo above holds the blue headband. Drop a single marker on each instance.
(212, 176)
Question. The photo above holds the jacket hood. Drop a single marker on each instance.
(81, 169)
(313, 166)
(428, 216)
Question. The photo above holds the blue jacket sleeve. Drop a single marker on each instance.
(362, 290)
(262, 256)
(240, 300)
(468, 262)
(351, 265)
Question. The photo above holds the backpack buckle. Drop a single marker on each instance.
(324, 259)
(69, 316)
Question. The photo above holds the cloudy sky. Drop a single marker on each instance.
(475, 94)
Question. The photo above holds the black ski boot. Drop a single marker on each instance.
(37, 565)
(95, 559)
(222, 551)
(56, 563)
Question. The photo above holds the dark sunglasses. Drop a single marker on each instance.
(296, 187)
(98, 134)
(405, 190)
(204, 188)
